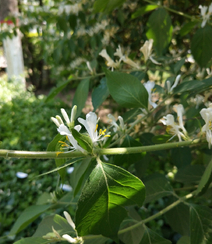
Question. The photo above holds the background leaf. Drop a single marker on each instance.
(81, 95)
(159, 29)
(32, 240)
(141, 11)
(205, 180)
(107, 190)
(157, 186)
(127, 90)
(107, 5)
(201, 224)
(201, 46)
(151, 237)
(28, 216)
(100, 93)
(181, 156)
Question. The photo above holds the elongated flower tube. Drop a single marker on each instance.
(169, 88)
(91, 125)
(149, 85)
(146, 49)
(179, 109)
(109, 60)
(205, 12)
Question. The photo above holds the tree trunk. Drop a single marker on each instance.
(12, 47)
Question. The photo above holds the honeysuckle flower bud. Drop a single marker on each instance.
(89, 67)
(169, 88)
(59, 119)
(109, 60)
(56, 233)
(172, 127)
(91, 125)
(149, 86)
(73, 116)
(65, 116)
(124, 58)
(69, 219)
(209, 138)
(55, 121)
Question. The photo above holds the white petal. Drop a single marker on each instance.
(55, 121)
(176, 82)
(69, 219)
(121, 121)
(65, 187)
(69, 238)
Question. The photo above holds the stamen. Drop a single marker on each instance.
(107, 136)
(57, 153)
(96, 127)
(100, 132)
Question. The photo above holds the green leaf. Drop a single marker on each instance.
(59, 223)
(100, 93)
(60, 161)
(107, 5)
(84, 140)
(127, 90)
(190, 174)
(43, 198)
(184, 240)
(181, 156)
(179, 222)
(79, 174)
(81, 95)
(54, 91)
(126, 160)
(143, 10)
(188, 27)
(28, 216)
(205, 180)
(201, 47)
(160, 29)
(201, 224)
(98, 240)
(101, 205)
(32, 240)
(161, 139)
(151, 237)
(178, 65)
(138, 74)
(157, 186)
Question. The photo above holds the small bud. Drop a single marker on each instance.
(55, 121)
(65, 116)
(59, 119)
(73, 116)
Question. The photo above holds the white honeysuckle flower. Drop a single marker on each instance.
(172, 127)
(206, 114)
(198, 100)
(149, 85)
(113, 122)
(124, 58)
(69, 238)
(205, 12)
(91, 125)
(109, 60)
(21, 175)
(179, 109)
(69, 219)
(146, 49)
(169, 88)
(63, 130)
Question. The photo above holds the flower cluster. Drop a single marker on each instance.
(205, 12)
(90, 124)
(206, 114)
(175, 129)
(146, 49)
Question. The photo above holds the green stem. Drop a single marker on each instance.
(171, 10)
(157, 214)
(107, 151)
